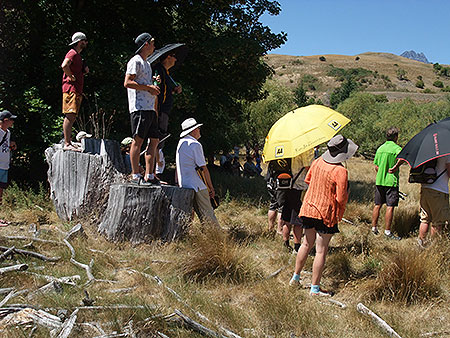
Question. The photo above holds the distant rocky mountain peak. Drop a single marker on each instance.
(410, 54)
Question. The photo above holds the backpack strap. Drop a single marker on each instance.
(296, 176)
(440, 174)
(4, 138)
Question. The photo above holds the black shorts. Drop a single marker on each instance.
(289, 200)
(144, 123)
(273, 201)
(386, 195)
(318, 225)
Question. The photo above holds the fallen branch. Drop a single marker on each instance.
(95, 326)
(8, 252)
(8, 297)
(124, 290)
(17, 267)
(379, 321)
(336, 302)
(68, 325)
(33, 239)
(112, 335)
(75, 231)
(433, 334)
(275, 273)
(114, 307)
(32, 254)
(69, 280)
(5, 290)
(52, 286)
(81, 265)
(197, 327)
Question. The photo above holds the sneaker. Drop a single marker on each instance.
(139, 181)
(392, 236)
(423, 243)
(296, 283)
(154, 181)
(375, 231)
(321, 293)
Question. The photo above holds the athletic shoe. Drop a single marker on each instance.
(321, 293)
(296, 283)
(154, 181)
(375, 231)
(392, 236)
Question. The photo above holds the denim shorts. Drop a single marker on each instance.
(3, 178)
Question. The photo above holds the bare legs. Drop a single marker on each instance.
(69, 119)
(389, 216)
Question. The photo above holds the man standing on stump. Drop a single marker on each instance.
(141, 101)
(72, 86)
(189, 159)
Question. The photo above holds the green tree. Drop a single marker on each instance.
(224, 66)
(341, 93)
(438, 84)
(300, 97)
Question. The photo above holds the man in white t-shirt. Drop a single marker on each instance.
(141, 103)
(434, 203)
(6, 145)
(190, 157)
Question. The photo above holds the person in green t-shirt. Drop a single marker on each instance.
(386, 184)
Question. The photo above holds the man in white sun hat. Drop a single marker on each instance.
(189, 159)
(74, 70)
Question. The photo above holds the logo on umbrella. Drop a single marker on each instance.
(334, 124)
(279, 151)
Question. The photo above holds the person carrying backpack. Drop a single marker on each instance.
(434, 194)
(386, 184)
(287, 175)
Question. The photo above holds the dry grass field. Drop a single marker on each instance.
(224, 275)
(289, 71)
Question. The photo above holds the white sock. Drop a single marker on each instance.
(374, 228)
(136, 176)
(150, 176)
(387, 232)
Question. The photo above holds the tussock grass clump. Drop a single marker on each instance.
(410, 276)
(212, 254)
(339, 266)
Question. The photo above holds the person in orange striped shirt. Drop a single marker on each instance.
(323, 207)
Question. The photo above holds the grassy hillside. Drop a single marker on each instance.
(385, 68)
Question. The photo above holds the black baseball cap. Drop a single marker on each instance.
(7, 115)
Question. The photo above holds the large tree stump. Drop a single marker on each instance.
(144, 213)
(79, 182)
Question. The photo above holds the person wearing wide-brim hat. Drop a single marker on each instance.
(323, 207)
(189, 160)
(74, 70)
(141, 102)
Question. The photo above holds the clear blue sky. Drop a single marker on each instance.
(351, 27)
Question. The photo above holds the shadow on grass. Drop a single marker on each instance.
(361, 192)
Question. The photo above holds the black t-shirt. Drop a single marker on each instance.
(166, 86)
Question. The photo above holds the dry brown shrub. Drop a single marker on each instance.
(410, 276)
(212, 254)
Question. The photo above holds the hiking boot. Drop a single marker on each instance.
(321, 293)
(375, 231)
(392, 236)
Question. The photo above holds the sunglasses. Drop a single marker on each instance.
(173, 55)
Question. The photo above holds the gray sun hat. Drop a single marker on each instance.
(189, 125)
(6, 114)
(78, 36)
(141, 40)
(339, 150)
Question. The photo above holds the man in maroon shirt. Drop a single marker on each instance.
(72, 86)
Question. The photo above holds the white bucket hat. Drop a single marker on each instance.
(78, 36)
(81, 135)
(339, 150)
(189, 125)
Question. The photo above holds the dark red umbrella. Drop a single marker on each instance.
(432, 142)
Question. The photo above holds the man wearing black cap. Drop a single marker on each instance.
(6, 145)
(141, 102)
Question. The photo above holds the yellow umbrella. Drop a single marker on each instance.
(302, 129)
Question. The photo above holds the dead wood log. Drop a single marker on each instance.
(197, 327)
(95, 326)
(69, 280)
(17, 267)
(115, 307)
(8, 252)
(81, 265)
(77, 230)
(123, 290)
(144, 213)
(377, 320)
(434, 334)
(5, 290)
(79, 182)
(33, 239)
(52, 286)
(68, 325)
(7, 298)
(31, 254)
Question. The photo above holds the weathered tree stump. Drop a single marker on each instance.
(79, 182)
(144, 213)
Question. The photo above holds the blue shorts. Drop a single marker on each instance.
(3, 178)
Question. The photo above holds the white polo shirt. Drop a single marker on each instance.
(189, 156)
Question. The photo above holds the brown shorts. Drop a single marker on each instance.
(434, 207)
(71, 103)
